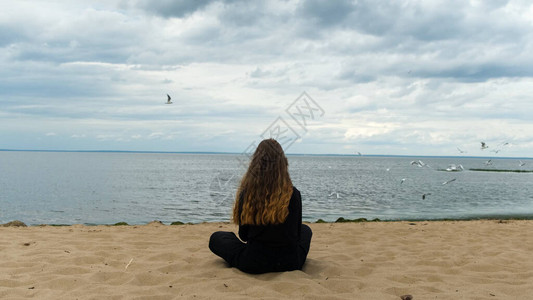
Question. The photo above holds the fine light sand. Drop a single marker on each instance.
(377, 260)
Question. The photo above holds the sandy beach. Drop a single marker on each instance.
(486, 259)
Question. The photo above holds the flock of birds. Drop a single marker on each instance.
(421, 164)
(497, 150)
(458, 168)
(450, 168)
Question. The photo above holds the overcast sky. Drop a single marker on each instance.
(380, 77)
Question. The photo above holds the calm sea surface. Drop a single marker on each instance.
(109, 187)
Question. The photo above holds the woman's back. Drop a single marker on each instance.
(279, 235)
(268, 210)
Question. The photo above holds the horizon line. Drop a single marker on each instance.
(236, 153)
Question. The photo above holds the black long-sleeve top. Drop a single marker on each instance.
(280, 235)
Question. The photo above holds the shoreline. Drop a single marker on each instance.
(477, 259)
(523, 217)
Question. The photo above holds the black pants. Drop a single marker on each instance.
(257, 258)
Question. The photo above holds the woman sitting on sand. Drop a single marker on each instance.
(268, 210)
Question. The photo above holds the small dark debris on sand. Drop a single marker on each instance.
(406, 297)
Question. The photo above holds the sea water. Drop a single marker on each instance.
(110, 187)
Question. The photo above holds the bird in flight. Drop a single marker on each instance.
(168, 100)
(483, 146)
(419, 163)
(454, 168)
(424, 195)
(451, 180)
(335, 194)
(500, 147)
(460, 151)
(521, 163)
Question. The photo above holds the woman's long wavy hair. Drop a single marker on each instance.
(266, 187)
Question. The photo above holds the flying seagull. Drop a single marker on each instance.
(335, 193)
(461, 151)
(521, 163)
(424, 195)
(488, 162)
(168, 100)
(451, 180)
(483, 146)
(500, 147)
(403, 179)
(419, 163)
(454, 168)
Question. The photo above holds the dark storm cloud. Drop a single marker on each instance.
(478, 72)
(179, 8)
(326, 13)
(423, 21)
(450, 40)
(10, 34)
(172, 8)
(90, 35)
